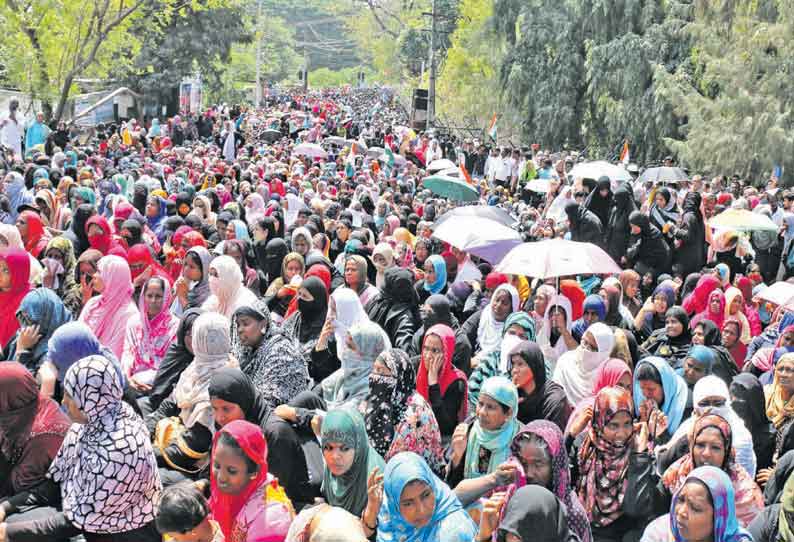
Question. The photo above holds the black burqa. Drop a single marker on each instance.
(234, 386)
(534, 513)
(177, 358)
(748, 401)
(599, 204)
(76, 232)
(618, 230)
(724, 365)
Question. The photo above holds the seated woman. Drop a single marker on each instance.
(106, 447)
(780, 404)
(398, 418)
(32, 428)
(326, 523)
(234, 397)
(182, 425)
(484, 327)
(184, 516)
(734, 308)
(653, 314)
(732, 331)
(441, 383)
(82, 291)
(435, 279)
(532, 513)
(765, 358)
(714, 311)
(554, 335)
(673, 340)
(14, 285)
(228, 293)
(437, 309)
(519, 326)
(613, 373)
(703, 509)
(748, 402)
(539, 398)
(480, 447)
(239, 250)
(108, 313)
(416, 505)
(61, 279)
(246, 500)
(40, 313)
(267, 355)
(657, 387)
(350, 461)
(192, 288)
(594, 310)
(576, 370)
(697, 364)
(281, 289)
(150, 333)
(706, 333)
(396, 309)
(306, 323)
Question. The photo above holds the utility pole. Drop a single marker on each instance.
(431, 88)
(305, 63)
(258, 89)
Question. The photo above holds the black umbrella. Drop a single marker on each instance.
(271, 135)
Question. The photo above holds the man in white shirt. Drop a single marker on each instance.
(503, 169)
(11, 129)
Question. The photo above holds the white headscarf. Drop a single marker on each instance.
(577, 370)
(552, 353)
(227, 290)
(385, 250)
(348, 312)
(489, 332)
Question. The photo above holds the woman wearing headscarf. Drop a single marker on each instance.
(613, 373)
(734, 308)
(33, 232)
(60, 264)
(82, 290)
(252, 507)
(702, 509)
(398, 418)
(156, 213)
(396, 309)
(656, 386)
(575, 371)
(383, 259)
(533, 513)
(484, 327)
(733, 329)
(105, 471)
(435, 278)
(617, 315)
(345, 481)
(10, 238)
(714, 311)
(780, 402)
(617, 225)
(227, 292)
(41, 308)
(301, 241)
(648, 252)
(192, 288)
(480, 447)
(203, 208)
(356, 278)
(664, 212)
(698, 301)
(239, 250)
(671, 342)
(407, 477)
(182, 425)
(14, 189)
(32, 428)
(705, 333)
(306, 324)
(107, 314)
(594, 309)
(267, 355)
(653, 314)
(282, 289)
(100, 236)
(77, 233)
(437, 309)
(554, 335)
(143, 266)
(149, 334)
(747, 401)
(14, 286)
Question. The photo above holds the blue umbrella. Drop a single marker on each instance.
(451, 188)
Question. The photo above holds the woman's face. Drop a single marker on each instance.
(338, 457)
(94, 230)
(784, 372)
(787, 339)
(736, 304)
(301, 246)
(421, 253)
(417, 503)
(97, 283)
(234, 252)
(709, 448)
(249, 331)
(693, 371)
(694, 512)
(501, 305)
(351, 274)
(230, 231)
(660, 303)
(154, 296)
(433, 349)
(5, 276)
(536, 462)
(541, 302)
(292, 269)
(231, 470)
(698, 337)
(430, 273)
(22, 226)
(490, 413)
(652, 390)
(74, 412)
(673, 327)
(730, 336)
(225, 412)
(192, 270)
(152, 208)
(625, 382)
(619, 428)
(517, 331)
(660, 201)
(521, 373)
(632, 287)
(342, 232)
(714, 304)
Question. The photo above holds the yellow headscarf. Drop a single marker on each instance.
(778, 410)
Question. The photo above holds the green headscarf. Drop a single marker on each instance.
(497, 441)
(86, 194)
(349, 491)
(124, 184)
(522, 319)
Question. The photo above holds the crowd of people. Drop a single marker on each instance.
(239, 326)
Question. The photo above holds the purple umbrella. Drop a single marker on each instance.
(480, 236)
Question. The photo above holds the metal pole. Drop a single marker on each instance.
(431, 90)
(258, 89)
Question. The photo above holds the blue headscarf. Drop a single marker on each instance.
(41, 173)
(157, 223)
(241, 230)
(17, 195)
(675, 392)
(497, 441)
(154, 129)
(450, 522)
(703, 355)
(719, 485)
(593, 302)
(74, 341)
(44, 308)
(440, 268)
(668, 292)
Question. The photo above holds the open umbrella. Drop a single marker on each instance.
(490, 212)
(452, 188)
(554, 258)
(742, 220)
(311, 150)
(482, 237)
(663, 175)
(374, 152)
(541, 186)
(271, 135)
(336, 140)
(451, 172)
(780, 293)
(440, 165)
(598, 169)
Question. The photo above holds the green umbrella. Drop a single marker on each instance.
(450, 187)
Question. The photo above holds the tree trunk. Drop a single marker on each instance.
(67, 83)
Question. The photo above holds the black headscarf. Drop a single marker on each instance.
(749, 402)
(176, 360)
(140, 193)
(232, 385)
(183, 198)
(268, 224)
(534, 513)
(598, 204)
(276, 250)
(134, 227)
(76, 233)
(724, 365)
(397, 293)
(313, 312)
(440, 312)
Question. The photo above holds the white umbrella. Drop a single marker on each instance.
(557, 258)
(742, 220)
(374, 152)
(451, 172)
(439, 165)
(482, 237)
(539, 185)
(595, 170)
(311, 150)
(780, 293)
(336, 140)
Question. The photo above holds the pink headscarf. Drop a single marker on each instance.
(254, 209)
(608, 375)
(148, 340)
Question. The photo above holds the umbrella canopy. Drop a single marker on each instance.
(399, 159)
(541, 186)
(496, 214)
(336, 140)
(451, 172)
(663, 175)
(742, 220)
(598, 169)
(554, 258)
(357, 146)
(452, 188)
(311, 150)
(439, 165)
(271, 135)
(483, 237)
(374, 152)
(780, 293)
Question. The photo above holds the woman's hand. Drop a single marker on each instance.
(582, 421)
(763, 476)
(641, 437)
(374, 499)
(47, 376)
(504, 474)
(489, 519)
(325, 333)
(459, 441)
(658, 424)
(317, 425)
(86, 289)
(287, 413)
(139, 386)
(28, 337)
(142, 278)
(181, 289)
(434, 365)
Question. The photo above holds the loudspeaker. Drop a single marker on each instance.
(420, 99)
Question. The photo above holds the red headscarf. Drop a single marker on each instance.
(449, 373)
(36, 239)
(573, 291)
(140, 254)
(252, 442)
(745, 285)
(317, 270)
(104, 241)
(708, 314)
(121, 212)
(494, 279)
(698, 300)
(739, 350)
(18, 262)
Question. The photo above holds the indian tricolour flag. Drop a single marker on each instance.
(492, 128)
(624, 154)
